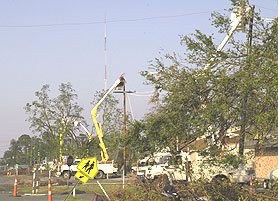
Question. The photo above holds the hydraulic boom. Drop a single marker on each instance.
(104, 154)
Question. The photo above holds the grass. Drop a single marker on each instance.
(91, 187)
(74, 199)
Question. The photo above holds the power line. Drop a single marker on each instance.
(131, 111)
(141, 95)
(102, 22)
(145, 92)
(266, 8)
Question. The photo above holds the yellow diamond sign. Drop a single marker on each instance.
(87, 168)
(83, 178)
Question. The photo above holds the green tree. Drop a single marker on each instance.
(25, 151)
(209, 91)
(51, 117)
(139, 143)
(13, 155)
(38, 150)
(24, 142)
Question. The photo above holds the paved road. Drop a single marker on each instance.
(9, 197)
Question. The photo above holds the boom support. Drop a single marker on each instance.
(104, 154)
(237, 19)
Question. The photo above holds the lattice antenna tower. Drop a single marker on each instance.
(105, 56)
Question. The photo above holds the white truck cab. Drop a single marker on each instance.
(160, 164)
(169, 165)
(104, 168)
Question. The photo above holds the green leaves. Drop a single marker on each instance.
(210, 91)
(49, 117)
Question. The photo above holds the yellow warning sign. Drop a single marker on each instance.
(83, 178)
(88, 167)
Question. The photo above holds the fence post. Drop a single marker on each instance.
(34, 179)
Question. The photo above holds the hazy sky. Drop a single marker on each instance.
(53, 42)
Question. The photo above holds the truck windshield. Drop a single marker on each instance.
(76, 162)
(163, 160)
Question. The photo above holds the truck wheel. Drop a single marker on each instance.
(100, 174)
(66, 174)
(220, 179)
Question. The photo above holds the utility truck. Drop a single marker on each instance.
(270, 181)
(163, 163)
(105, 167)
(173, 166)
(188, 166)
(145, 164)
(201, 169)
(181, 172)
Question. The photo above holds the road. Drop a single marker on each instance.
(9, 197)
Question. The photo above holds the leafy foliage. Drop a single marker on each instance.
(25, 150)
(208, 91)
(53, 117)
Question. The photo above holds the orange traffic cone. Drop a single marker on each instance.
(251, 184)
(49, 191)
(137, 172)
(15, 186)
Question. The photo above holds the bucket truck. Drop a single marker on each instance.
(237, 23)
(105, 167)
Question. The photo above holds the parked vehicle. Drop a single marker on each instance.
(242, 174)
(163, 163)
(170, 165)
(268, 182)
(182, 167)
(104, 168)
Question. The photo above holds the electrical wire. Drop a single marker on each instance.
(145, 92)
(102, 22)
(140, 95)
(268, 19)
(266, 8)
(131, 111)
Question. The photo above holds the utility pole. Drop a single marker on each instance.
(124, 117)
(124, 128)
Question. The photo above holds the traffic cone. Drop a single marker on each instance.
(49, 191)
(15, 186)
(251, 184)
(137, 172)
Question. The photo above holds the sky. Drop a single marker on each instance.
(53, 42)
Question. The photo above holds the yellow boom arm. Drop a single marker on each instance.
(104, 154)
